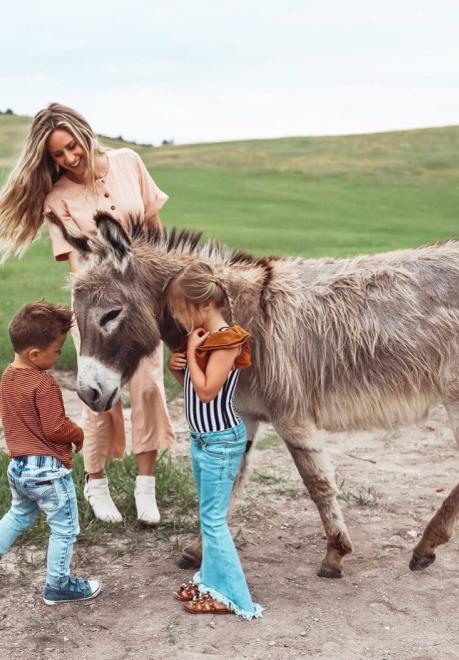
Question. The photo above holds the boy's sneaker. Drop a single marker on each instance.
(72, 589)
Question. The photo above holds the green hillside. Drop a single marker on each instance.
(307, 196)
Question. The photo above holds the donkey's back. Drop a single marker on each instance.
(364, 342)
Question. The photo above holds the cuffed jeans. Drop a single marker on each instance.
(43, 482)
(216, 458)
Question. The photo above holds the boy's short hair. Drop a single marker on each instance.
(38, 324)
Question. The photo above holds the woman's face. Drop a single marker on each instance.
(67, 153)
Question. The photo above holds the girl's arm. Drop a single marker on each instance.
(209, 383)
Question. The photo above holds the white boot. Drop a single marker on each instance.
(97, 494)
(145, 500)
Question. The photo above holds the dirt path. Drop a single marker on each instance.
(378, 610)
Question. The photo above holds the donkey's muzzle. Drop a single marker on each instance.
(98, 386)
(93, 398)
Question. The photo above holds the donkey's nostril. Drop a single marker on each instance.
(95, 395)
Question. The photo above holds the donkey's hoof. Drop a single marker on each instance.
(328, 572)
(420, 562)
(187, 562)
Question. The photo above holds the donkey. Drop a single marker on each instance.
(340, 345)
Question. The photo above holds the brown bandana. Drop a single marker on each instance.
(231, 338)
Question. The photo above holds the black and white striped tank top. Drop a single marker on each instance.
(216, 415)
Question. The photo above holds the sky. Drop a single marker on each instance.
(205, 70)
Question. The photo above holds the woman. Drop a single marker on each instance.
(63, 169)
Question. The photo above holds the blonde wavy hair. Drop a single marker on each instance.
(35, 173)
(196, 285)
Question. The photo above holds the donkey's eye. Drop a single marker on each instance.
(110, 316)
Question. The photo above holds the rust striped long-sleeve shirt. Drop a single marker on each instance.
(33, 416)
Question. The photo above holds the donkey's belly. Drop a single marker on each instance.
(365, 414)
(250, 405)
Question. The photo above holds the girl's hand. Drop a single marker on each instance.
(177, 361)
(196, 338)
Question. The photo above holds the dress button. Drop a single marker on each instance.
(106, 195)
(113, 207)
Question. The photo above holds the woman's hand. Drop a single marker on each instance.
(177, 361)
(197, 337)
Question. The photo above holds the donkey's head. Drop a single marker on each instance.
(117, 312)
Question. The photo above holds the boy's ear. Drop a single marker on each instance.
(32, 354)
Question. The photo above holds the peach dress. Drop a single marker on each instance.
(125, 189)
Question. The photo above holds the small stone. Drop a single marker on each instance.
(271, 643)
(412, 533)
(212, 624)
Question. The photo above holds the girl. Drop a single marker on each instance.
(63, 169)
(209, 371)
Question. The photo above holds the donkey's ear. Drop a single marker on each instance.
(112, 235)
(78, 241)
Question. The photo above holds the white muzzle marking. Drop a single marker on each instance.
(98, 386)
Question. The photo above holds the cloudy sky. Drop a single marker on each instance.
(205, 70)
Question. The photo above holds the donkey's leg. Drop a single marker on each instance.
(318, 476)
(192, 554)
(438, 531)
(450, 396)
(452, 408)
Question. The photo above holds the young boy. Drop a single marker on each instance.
(39, 439)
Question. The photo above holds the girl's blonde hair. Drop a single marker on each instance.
(196, 285)
(23, 196)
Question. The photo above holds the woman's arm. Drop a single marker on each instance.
(153, 197)
(154, 221)
(73, 262)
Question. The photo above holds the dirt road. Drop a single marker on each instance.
(378, 610)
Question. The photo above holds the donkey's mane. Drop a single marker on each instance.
(187, 241)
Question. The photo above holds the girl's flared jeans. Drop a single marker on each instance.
(216, 458)
(43, 483)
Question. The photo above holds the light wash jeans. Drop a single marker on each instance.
(43, 482)
(216, 458)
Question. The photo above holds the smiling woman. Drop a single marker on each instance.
(68, 154)
(65, 171)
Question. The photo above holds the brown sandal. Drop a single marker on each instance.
(206, 605)
(186, 592)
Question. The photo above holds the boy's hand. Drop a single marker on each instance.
(177, 361)
(196, 338)
(77, 446)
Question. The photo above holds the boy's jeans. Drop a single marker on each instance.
(216, 458)
(43, 482)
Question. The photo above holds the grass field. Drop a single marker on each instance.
(304, 196)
